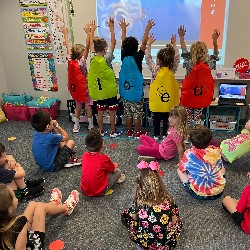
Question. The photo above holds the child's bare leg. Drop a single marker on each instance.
(70, 144)
(77, 111)
(183, 176)
(137, 125)
(12, 185)
(20, 183)
(88, 111)
(112, 120)
(129, 122)
(230, 204)
(100, 119)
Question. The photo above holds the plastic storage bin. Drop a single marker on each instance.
(16, 113)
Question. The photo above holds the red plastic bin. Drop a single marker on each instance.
(16, 113)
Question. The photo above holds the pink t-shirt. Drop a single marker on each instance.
(167, 147)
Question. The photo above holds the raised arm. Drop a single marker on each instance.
(215, 37)
(177, 57)
(149, 60)
(66, 39)
(149, 26)
(111, 25)
(92, 34)
(182, 32)
(123, 26)
(87, 29)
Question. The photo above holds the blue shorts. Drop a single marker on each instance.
(191, 191)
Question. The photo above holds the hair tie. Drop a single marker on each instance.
(153, 165)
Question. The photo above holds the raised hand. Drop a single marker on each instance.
(87, 28)
(181, 31)
(111, 22)
(64, 29)
(216, 34)
(173, 39)
(150, 24)
(93, 26)
(151, 39)
(123, 23)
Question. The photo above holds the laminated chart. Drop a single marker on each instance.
(42, 68)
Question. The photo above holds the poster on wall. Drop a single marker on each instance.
(59, 16)
(43, 73)
(26, 3)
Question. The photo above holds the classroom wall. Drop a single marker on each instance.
(15, 68)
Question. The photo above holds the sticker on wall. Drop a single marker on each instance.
(26, 3)
(43, 72)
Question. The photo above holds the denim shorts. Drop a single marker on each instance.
(191, 191)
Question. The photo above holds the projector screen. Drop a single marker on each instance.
(200, 18)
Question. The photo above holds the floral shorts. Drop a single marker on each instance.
(133, 109)
(35, 240)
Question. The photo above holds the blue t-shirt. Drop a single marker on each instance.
(44, 148)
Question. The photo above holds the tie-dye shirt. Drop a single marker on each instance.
(203, 167)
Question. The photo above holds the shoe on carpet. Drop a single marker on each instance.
(103, 132)
(56, 196)
(73, 161)
(121, 179)
(139, 133)
(130, 133)
(146, 158)
(31, 192)
(76, 129)
(71, 202)
(34, 183)
(115, 134)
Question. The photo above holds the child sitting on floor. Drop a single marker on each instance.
(153, 220)
(201, 169)
(27, 231)
(12, 174)
(239, 209)
(172, 144)
(99, 173)
(51, 147)
(234, 148)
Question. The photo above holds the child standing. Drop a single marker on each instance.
(198, 87)
(153, 220)
(102, 82)
(12, 174)
(172, 144)
(131, 79)
(201, 169)
(77, 76)
(99, 173)
(164, 90)
(239, 209)
(27, 231)
(51, 146)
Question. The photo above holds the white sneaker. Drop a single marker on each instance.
(156, 138)
(121, 179)
(115, 134)
(146, 158)
(72, 201)
(76, 129)
(73, 161)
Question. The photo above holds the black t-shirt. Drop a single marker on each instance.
(139, 55)
(6, 175)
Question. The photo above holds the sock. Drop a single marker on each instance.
(90, 120)
(76, 122)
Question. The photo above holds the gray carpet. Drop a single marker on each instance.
(95, 223)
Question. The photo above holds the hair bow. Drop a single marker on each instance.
(152, 165)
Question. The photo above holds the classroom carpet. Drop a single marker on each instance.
(95, 222)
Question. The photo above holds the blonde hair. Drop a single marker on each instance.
(76, 51)
(99, 44)
(199, 52)
(7, 220)
(150, 189)
(182, 125)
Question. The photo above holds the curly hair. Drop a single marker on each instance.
(199, 52)
(150, 189)
(200, 136)
(94, 141)
(77, 51)
(166, 56)
(130, 46)
(99, 44)
(182, 125)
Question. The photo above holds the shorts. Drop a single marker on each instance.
(238, 217)
(110, 104)
(133, 109)
(191, 191)
(35, 240)
(62, 157)
(88, 101)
